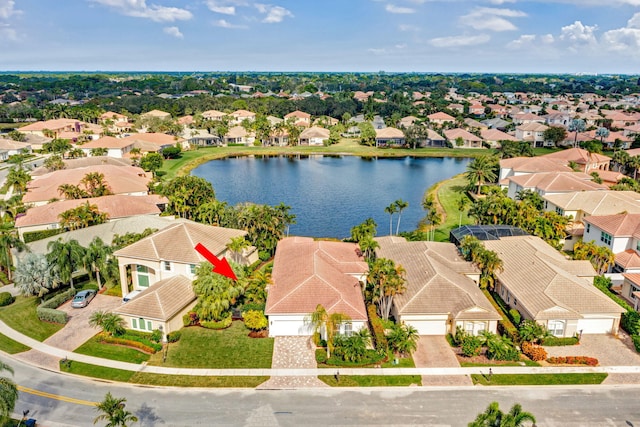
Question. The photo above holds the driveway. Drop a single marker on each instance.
(77, 329)
(293, 353)
(609, 350)
(435, 352)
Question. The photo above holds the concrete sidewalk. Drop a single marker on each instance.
(61, 354)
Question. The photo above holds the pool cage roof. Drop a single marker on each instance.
(484, 232)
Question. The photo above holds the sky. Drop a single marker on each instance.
(494, 36)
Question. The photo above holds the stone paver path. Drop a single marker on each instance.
(293, 353)
(77, 330)
(435, 352)
(609, 350)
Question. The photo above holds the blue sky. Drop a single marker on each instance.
(563, 36)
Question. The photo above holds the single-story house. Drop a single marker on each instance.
(307, 273)
(314, 135)
(160, 306)
(390, 136)
(552, 183)
(440, 295)
(116, 147)
(460, 138)
(9, 147)
(545, 286)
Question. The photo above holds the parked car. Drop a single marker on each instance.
(83, 298)
(131, 295)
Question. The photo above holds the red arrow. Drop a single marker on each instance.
(220, 266)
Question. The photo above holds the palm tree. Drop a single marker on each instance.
(9, 240)
(391, 209)
(620, 158)
(113, 412)
(403, 339)
(70, 191)
(66, 257)
(480, 171)
(34, 275)
(321, 320)
(602, 132)
(400, 205)
(96, 256)
(95, 184)
(8, 394)
(18, 178)
(634, 162)
(368, 246)
(462, 204)
(237, 245)
(110, 323)
(577, 126)
(384, 280)
(494, 417)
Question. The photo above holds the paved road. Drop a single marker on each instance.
(563, 406)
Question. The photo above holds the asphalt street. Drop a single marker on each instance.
(57, 400)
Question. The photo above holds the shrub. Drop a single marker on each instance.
(515, 316)
(51, 315)
(629, 322)
(255, 320)
(174, 336)
(222, 324)
(156, 335)
(573, 360)
(259, 306)
(140, 337)
(108, 339)
(264, 255)
(6, 298)
(379, 339)
(191, 319)
(321, 356)
(534, 352)
(636, 342)
(501, 348)
(58, 299)
(509, 330)
(557, 341)
(471, 346)
(32, 236)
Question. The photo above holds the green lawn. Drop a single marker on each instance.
(371, 380)
(191, 159)
(96, 371)
(225, 349)
(114, 352)
(449, 194)
(21, 316)
(403, 362)
(10, 346)
(538, 379)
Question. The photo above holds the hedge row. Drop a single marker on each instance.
(534, 352)
(222, 324)
(557, 341)
(142, 339)
(32, 236)
(573, 360)
(108, 339)
(636, 342)
(629, 321)
(47, 310)
(371, 357)
(379, 339)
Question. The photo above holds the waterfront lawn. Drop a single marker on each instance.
(21, 316)
(371, 380)
(449, 194)
(225, 349)
(10, 346)
(94, 348)
(538, 379)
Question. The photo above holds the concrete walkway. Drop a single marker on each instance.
(274, 372)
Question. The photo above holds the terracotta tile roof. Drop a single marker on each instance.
(436, 283)
(121, 180)
(557, 182)
(298, 114)
(578, 155)
(116, 206)
(453, 134)
(315, 132)
(597, 202)
(84, 162)
(242, 113)
(623, 225)
(54, 124)
(533, 127)
(533, 165)
(610, 176)
(159, 139)
(632, 277)
(213, 114)
(107, 142)
(547, 284)
(628, 259)
(496, 135)
(236, 132)
(161, 301)
(441, 116)
(177, 243)
(307, 273)
(10, 144)
(156, 113)
(389, 132)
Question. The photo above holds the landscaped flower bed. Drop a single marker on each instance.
(573, 360)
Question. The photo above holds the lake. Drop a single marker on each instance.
(331, 194)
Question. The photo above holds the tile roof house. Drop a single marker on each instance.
(552, 183)
(585, 160)
(314, 135)
(621, 234)
(152, 142)
(116, 147)
(440, 118)
(160, 306)
(545, 286)
(238, 135)
(62, 128)
(128, 180)
(390, 136)
(469, 140)
(9, 147)
(307, 273)
(47, 217)
(532, 132)
(528, 165)
(213, 115)
(156, 113)
(238, 116)
(581, 204)
(440, 296)
(171, 252)
(495, 137)
(299, 118)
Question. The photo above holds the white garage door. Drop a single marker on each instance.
(429, 327)
(595, 326)
(279, 328)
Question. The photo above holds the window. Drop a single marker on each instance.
(141, 324)
(588, 227)
(192, 269)
(556, 327)
(559, 211)
(142, 274)
(632, 289)
(638, 246)
(605, 238)
(166, 265)
(515, 301)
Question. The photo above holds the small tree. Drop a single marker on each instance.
(532, 331)
(494, 417)
(403, 339)
(113, 412)
(255, 320)
(110, 323)
(321, 320)
(35, 276)
(8, 394)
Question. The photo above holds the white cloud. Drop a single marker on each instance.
(524, 40)
(225, 7)
(140, 9)
(408, 28)
(547, 38)
(377, 51)
(392, 8)
(579, 33)
(487, 18)
(634, 22)
(274, 14)
(458, 41)
(173, 31)
(7, 9)
(625, 39)
(501, 1)
(226, 24)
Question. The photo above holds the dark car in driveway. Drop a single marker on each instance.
(83, 298)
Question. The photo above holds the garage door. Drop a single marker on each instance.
(595, 326)
(429, 327)
(279, 328)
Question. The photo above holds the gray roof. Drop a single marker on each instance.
(436, 283)
(547, 284)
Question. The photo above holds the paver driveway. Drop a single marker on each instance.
(435, 352)
(77, 329)
(609, 350)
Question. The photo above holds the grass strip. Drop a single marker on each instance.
(520, 363)
(539, 379)
(21, 316)
(371, 380)
(95, 371)
(11, 346)
(93, 347)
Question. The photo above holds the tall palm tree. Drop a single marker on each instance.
(8, 394)
(368, 247)
(95, 184)
(237, 245)
(480, 171)
(66, 257)
(400, 205)
(384, 280)
(8, 240)
(18, 178)
(577, 126)
(113, 412)
(321, 320)
(462, 204)
(602, 132)
(96, 256)
(494, 417)
(391, 209)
